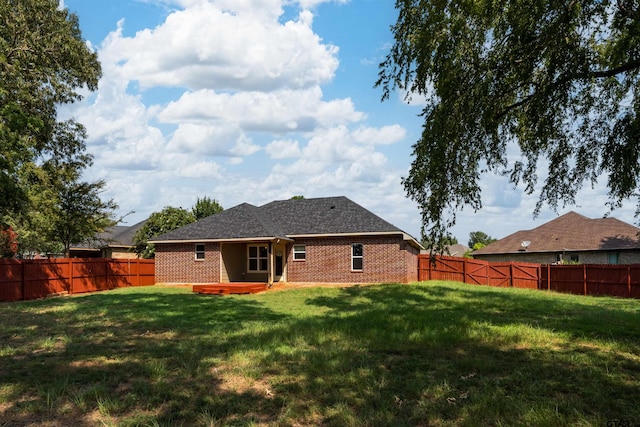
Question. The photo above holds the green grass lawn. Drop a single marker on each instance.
(436, 353)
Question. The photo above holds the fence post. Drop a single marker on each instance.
(488, 270)
(584, 277)
(539, 276)
(71, 292)
(464, 271)
(628, 281)
(138, 272)
(23, 280)
(511, 274)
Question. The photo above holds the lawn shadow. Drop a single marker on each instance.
(409, 355)
(97, 356)
(374, 355)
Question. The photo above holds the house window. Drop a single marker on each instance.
(258, 258)
(356, 256)
(614, 258)
(199, 251)
(299, 252)
(575, 258)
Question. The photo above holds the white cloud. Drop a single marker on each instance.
(211, 140)
(231, 80)
(382, 136)
(120, 135)
(309, 4)
(278, 111)
(225, 45)
(202, 169)
(283, 149)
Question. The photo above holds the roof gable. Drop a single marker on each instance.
(327, 215)
(279, 219)
(569, 232)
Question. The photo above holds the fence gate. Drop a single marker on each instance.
(500, 275)
(476, 272)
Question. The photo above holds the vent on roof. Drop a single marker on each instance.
(332, 207)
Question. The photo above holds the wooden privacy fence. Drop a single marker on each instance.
(478, 272)
(586, 279)
(592, 279)
(32, 279)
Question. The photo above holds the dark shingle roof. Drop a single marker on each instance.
(279, 219)
(571, 231)
(122, 235)
(116, 236)
(240, 222)
(327, 215)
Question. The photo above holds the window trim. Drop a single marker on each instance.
(355, 257)
(257, 258)
(198, 252)
(302, 252)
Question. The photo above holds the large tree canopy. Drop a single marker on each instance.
(43, 63)
(61, 208)
(556, 79)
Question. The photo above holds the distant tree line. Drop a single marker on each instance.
(477, 240)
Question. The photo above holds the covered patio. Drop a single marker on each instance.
(254, 261)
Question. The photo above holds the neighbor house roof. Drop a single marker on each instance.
(455, 250)
(285, 219)
(116, 236)
(569, 232)
(122, 235)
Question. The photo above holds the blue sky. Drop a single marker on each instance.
(259, 100)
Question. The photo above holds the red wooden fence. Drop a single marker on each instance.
(592, 279)
(32, 279)
(478, 272)
(586, 279)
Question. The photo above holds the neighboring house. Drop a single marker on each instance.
(322, 240)
(115, 242)
(457, 250)
(569, 238)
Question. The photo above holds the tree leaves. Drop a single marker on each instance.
(170, 218)
(206, 207)
(556, 79)
(43, 63)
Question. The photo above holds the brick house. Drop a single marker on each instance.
(321, 240)
(569, 238)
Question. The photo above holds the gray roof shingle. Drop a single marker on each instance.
(116, 236)
(279, 219)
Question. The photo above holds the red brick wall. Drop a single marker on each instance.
(328, 260)
(176, 263)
